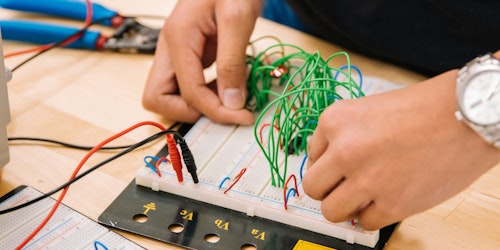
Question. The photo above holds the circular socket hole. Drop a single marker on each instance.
(212, 238)
(176, 228)
(141, 218)
(249, 246)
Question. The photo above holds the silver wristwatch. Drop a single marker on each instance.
(478, 97)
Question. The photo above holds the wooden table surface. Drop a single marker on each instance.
(84, 97)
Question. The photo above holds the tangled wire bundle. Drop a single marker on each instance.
(290, 91)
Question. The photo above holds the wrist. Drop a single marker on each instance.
(478, 97)
(497, 54)
(478, 102)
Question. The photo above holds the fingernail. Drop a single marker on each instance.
(233, 98)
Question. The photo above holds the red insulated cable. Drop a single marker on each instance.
(75, 172)
(284, 189)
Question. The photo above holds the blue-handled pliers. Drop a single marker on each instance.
(130, 36)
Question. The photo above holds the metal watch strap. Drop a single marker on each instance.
(490, 134)
(480, 60)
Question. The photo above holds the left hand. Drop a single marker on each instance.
(385, 157)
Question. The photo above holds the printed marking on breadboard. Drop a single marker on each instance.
(67, 229)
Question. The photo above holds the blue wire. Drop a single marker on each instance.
(302, 166)
(289, 191)
(146, 158)
(357, 71)
(98, 243)
(223, 181)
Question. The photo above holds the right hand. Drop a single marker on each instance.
(385, 157)
(196, 34)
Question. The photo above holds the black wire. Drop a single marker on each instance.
(90, 170)
(74, 146)
(58, 44)
(128, 150)
(65, 144)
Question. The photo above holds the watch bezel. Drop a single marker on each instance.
(470, 71)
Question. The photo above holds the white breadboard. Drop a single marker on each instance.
(222, 151)
(67, 229)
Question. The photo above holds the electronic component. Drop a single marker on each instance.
(221, 152)
(228, 157)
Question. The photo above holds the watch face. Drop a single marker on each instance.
(481, 98)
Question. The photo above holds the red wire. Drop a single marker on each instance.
(236, 179)
(75, 172)
(39, 48)
(158, 162)
(284, 189)
(88, 21)
(262, 130)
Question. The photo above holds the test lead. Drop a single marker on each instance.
(175, 157)
(188, 159)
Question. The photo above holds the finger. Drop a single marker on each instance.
(209, 52)
(373, 217)
(321, 179)
(346, 200)
(187, 61)
(235, 23)
(161, 92)
(316, 147)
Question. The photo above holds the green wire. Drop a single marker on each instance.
(293, 100)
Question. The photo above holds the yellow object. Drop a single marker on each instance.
(306, 245)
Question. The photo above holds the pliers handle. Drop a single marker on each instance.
(130, 36)
(44, 33)
(73, 9)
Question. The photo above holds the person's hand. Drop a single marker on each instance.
(195, 35)
(385, 157)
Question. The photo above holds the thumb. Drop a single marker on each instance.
(235, 23)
